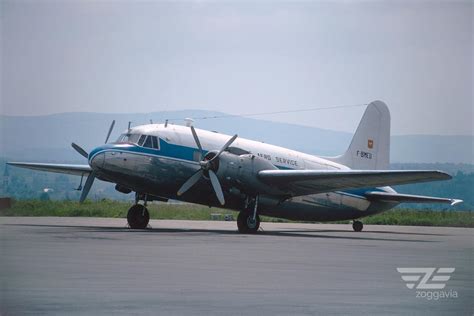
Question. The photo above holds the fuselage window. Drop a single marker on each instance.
(156, 144)
(120, 138)
(148, 142)
(141, 140)
(128, 138)
(151, 142)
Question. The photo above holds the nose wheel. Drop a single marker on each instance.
(357, 226)
(138, 217)
(248, 221)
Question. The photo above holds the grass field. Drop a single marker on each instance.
(108, 208)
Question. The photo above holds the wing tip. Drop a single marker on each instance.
(439, 175)
(15, 163)
(444, 175)
(456, 201)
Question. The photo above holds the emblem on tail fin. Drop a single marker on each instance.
(370, 143)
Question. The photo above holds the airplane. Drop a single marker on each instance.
(170, 161)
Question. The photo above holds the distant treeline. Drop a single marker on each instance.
(460, 187)
(23, 184)
(451, 168)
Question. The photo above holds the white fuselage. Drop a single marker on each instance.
(280, 157)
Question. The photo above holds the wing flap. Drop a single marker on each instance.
(408, 198)
(77, 170)
(303, 182)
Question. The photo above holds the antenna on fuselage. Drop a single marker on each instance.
(129, 124)
(189, 122)
(151, 121)
(166, 123)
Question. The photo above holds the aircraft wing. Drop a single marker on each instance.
(303, 182)
(408, 198)
(77, 170)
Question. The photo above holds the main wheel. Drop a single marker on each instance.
(246, 224)
(357, 226)
(138, 217)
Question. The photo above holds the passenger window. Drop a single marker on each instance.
(148, 142)
(141, 140)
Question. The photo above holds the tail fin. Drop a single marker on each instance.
(370, 146)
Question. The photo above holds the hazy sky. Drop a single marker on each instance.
(243, 57)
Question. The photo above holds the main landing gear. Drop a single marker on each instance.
(248, 221)
(357, 226)
(138, 216)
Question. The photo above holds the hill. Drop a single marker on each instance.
(48, 138)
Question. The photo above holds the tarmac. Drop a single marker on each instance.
(97, 266)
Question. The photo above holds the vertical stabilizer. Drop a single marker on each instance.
(370, 146)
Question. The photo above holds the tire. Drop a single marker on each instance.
(244, 223)
(138, 217)
(357, 226)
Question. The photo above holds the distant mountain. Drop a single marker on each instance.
(48, 138)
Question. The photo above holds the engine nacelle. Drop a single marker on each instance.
(122, 189)
(240, 171)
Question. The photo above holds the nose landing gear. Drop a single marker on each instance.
(248, 221)
(138, 216)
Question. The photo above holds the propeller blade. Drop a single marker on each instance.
(229, 142)
(110, 131)
(217, 187)
(80, 150)
(190, 182)
(87, 187)
(196, 139)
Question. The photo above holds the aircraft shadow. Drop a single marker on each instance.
(283, 233)
(365, 231)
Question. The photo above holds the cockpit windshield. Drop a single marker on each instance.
(140, 140)
(128, 138)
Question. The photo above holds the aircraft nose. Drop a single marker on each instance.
(96, 159)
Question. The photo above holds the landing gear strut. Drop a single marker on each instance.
(357, 226)
(248, 221)
(138, 216)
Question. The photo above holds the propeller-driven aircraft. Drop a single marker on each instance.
(168, 161)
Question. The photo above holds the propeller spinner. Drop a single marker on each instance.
(207, 164)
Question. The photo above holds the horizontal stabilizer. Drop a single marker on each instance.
(408, 198)
(77, 170)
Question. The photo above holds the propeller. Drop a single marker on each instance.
(110, 131)
(80, 150)
(87, 186)
(206, 169)
(91, 176)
